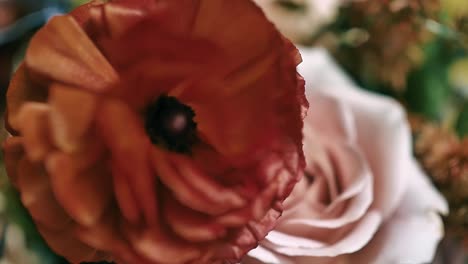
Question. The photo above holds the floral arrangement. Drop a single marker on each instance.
(247, 131)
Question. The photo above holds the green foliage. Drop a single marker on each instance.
(17, 214)
(462, 123)
(428, 87)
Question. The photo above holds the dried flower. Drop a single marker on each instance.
(445, 158)
(395, 32)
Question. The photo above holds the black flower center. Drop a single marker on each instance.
(170, 124)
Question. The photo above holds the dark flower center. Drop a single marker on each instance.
(170, 124)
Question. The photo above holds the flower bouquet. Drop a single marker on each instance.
(220, 131)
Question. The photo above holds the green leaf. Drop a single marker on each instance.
(462, 123)
(428, 87)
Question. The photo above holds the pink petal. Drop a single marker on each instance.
(412, 233)
(356, 182)
(261, 255)
(358, 237)
(382, 129)
(330, 117)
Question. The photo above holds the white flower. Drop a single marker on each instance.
(299, 20)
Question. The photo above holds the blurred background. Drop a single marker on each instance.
(413, 50)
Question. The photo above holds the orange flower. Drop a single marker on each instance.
(156, 131)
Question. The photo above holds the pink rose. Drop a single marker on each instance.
(364, 198)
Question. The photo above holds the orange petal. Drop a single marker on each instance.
(21, 90)
(129, 145)
(254, 211)
(234, 16)
(210, 161)
(187, 194)
(115, 18)
(47, 212)
(191, 225)
(104, 235)
(13, 153)
(84, 194)
(72, 112)
(32, 181)
(91, 152)
(82, 13)
(167, 62)
(199, 180)
(62, 51)
(125, 196)
(36, 195)
(66, 245)
(160, 247)
(33, 123)
(250, 128)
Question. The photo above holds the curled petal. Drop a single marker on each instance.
(95, 183)
(125, 196)
(32, 181)
(161, 247)
(21, 90)
(415, 229)
(72, 112)
(35, 119)
(38, 197)
(381, 128)
(124, 134)
(197, 178)
(62, 42)
(359, 236)
(261, 255)
(190, 196)
(191, 225)
(106, 236)
(356, 196)
(76, 251)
